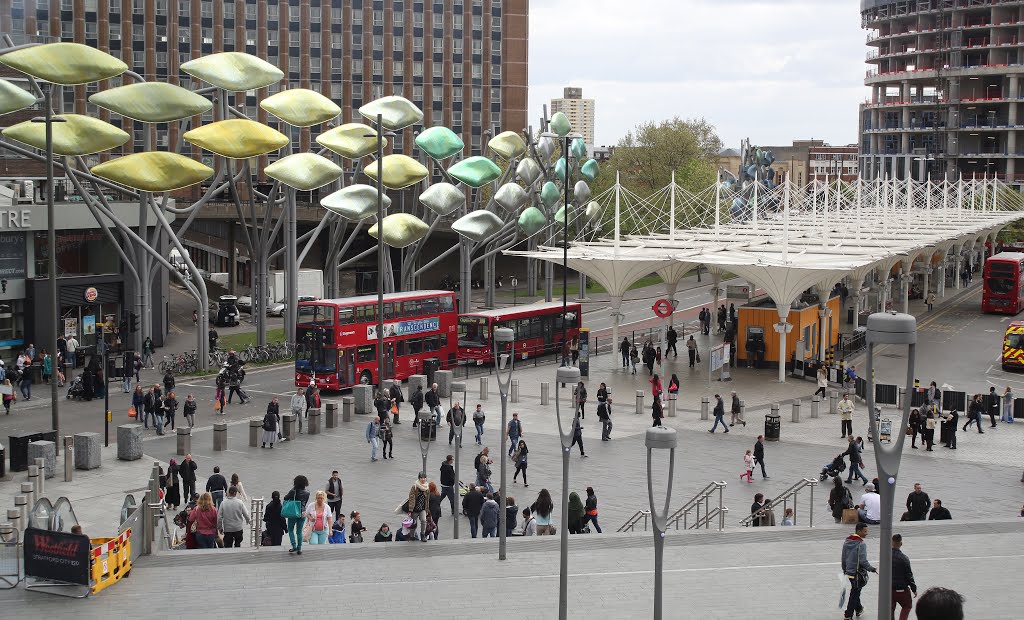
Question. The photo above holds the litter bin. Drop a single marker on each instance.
(428, 429)
(772, 426)
(430, 367)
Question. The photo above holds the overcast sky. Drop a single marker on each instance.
(770, 70)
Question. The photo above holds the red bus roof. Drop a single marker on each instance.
(1010, 257)
(366, 299)
(520, 311)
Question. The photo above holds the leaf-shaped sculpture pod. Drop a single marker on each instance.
(589, 169)
(475, 171)
(560, 169)
(400, 171)
(593, 213)
(155, 171)
(478, 225)
(531, 221)
(511, 196)
(351, 140)
(301, 107)
(152, 102)
(77, 135)
(440, 142)
(355, 202)
(14, 98)
(233, 71)
(507, 144)
(549, 194)
(581, 192)
(304, 171)
(561, 216)
(396, 112)
(528, 171)
(237, 138)
(546, 148)
(560, 124)
(401, 230)
(578, 148)
(443, 198)
(67, 64)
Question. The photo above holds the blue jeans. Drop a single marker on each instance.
(592, 519)
(72, 358)
(855, 472)
(159, 424)
(206, 541)
(720, 420)
(490, 532)
(438, 414)
(513, 443)
(295, 532)
(318, 537)
(474, 523)
(863, 516)
(26, 391)
(479, 432)
(374, 444)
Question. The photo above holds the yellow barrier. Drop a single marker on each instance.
(111, 560)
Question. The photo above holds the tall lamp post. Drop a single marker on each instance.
(425, 417)
(457, 387)
(564, 375)
(660, 438)
(899, 329)
(504, 346)
(379, 135)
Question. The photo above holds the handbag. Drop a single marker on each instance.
(698, 358)
(307, 531)
(850, 515)
(216, 405)
(131, 411)
(394, 408)
(291, 509)
(265, 539)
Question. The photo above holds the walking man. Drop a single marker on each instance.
(416, 400)
(856, 568)
(448, 481)
(577, 436)
(845, 408)
(72, 346)
(604, 413)
(853, 451)
(298, 405)
(335, 492)
(691, 350)
(147, 351)
(902, 579)
(624, 351)
(759, 455)
(433, 400)
(737, 411)
(918, 504)
(373, 438)
(719, 415)
(188, 477)
(456, 418)
(671, 337)
(514, 432)
(232, 517)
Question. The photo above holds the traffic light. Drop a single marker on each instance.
(133, 322)
(123, 325)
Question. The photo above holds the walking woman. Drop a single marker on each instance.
(218, 396)
(170, 406)
(1007, 406)
(172, 494)
(9, 396)
(929, 428)
(520, 459)
(321, 519)
(914, 426)
(237, 483)
(168, 382)
(576, 513)
(189, 409)
(822, 383)
(542, 510)
(435, 510)
(634, 358)
(294, 524)
(273, 520)
(656, 388)
(271, 422)
(656, 411)
(202, 522)
(591, 510)
(387, 437)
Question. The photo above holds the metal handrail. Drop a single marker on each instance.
(694, 505)
(630, 524)
(256, 522)
(784, 497)
(715, 513)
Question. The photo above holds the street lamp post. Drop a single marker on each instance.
(898, 329)
(660, 438)
(504, 347)
(460, 387)
(566, 140)
(379, 135)
(424, 417)
(565, 375)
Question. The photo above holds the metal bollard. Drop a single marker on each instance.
(33, 477)
(815, 403)
(796, 411)
(255, 428)
(69, 457)
(30, 494)
(743, 410)
(40, 487)
(639, 402)
(704, 403)
(220, 436)
(21, 505)
(902, 393)
(348, 408)
(514, 391)
(545, 390)
(483, 388)
(671, 405)
(183, 437)
(833, 402)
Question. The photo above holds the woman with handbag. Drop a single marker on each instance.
(387, 438)
(434, 512)
(519, 457)
(914, 427)
(9, 396)
(202, 522)
(356, 528)
(929, 425)
(270, 425)
(189, 409)
(839, 499)
(542, 510)
(294, 510)
(172, 496)
(273, 520)
(418, 502)
(170, 406)
(320, 518)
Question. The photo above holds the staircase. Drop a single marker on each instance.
(784, 498)
(697, 512)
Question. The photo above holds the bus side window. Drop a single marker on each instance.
(446, 304)
(400, 348)
(444, 340)
(345, 315)
(366, 353)
(366, 314)
(414, 346)
(430, 344)
(429, 305)
(411, 307)
(389, 311)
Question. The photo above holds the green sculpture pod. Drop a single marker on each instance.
(475, 171)
(589, 169)
(549, 194)
(560, 124)
(531, 221)
(440, 142)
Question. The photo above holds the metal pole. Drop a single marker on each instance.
(563, 547)
(565, 296)
(660, 438)
(106, 399)
(502, 337)
(380, 253)
(51, 249)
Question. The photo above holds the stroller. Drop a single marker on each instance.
(76, 391)
(833, 469)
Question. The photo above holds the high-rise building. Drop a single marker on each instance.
(945, 89)
(579, 111)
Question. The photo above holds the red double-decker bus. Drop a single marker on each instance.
(538, 329)
(418, 326)
(1004, 283)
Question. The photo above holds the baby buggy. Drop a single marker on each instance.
(76, 391)
(833, 469)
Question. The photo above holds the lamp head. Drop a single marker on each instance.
(504, 335)
(661, 438)
(424, 415)
(891, 328)
(568, 374)
(458, 386)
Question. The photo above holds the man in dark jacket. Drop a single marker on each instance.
(759, 455)
(671, 337)
(939, 513)
(902, 579)
(856, 567)
(217, 486)
(456, 418)
(918, 503)
(604, 414)
(188, 476)
(396, 395)
(719, 414)
(416, 400)
(335, 492)
(448, 481)
(433, 400)
(472, 503)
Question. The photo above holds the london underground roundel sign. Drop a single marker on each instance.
(662, 308)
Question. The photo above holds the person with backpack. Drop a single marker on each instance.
(514, 432)
(456, 418)
(416, 400)
(634, 358)
(649, 357)
(373, 437)
(737, 411)
(853, 451)
(604, 414)
(271, 422)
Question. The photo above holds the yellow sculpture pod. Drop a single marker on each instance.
(67, 64)
(350, 140)
(77, 135)
(507, 144)
(13, 98)
(301, 107)
(400, 171)
(233, 71)
(401, 230)
(237, 138)
(304, 171)
(396, 112)
(152, 102)
(156, 171)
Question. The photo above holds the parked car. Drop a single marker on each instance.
(274, 308)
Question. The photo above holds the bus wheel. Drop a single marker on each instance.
(365, 378)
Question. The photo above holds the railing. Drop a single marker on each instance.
(639, 515)
(701, 499)
(256, 523)
(784, 498)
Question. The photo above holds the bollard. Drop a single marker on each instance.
(220, 436)
(348, 408)
(314, 421)
(815, 403)
(332, 415)
(44, 471)
(69, 457)
(33, 477)
(545, 389)
(901, 394)
(14, 517)
(21, 505)
(796, 410)
(671, 405)
(704, 402)
(514, 391)
(483, 388)
(639, 402)
(288, 426)
(255, 430)
(833, 402)
(184, 440)
(743, 410)
(29, 493)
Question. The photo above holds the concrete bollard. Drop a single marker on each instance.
(639, 402)
(348, 408)
(833, 403)
(545, 393)
(14, 518)
(796, 411)
(129, 442)
(704, 404)
(514, 391)
(362, 397)
(288, 424)
(21, 505)
(88, 451)
(314, 421)
(483, 388)
(815, 403)
(183, 436)
(332, 414)
(69, 458)
(44, 454)
(255, 430)
(671, 405)
(29, 493)
(444, 380)
(220, 436)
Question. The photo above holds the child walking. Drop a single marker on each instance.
(748, 463)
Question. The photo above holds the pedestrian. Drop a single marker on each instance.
(737, 411)
(490, 517)
(383, 534)
(271, 424)
(624, 351)
(298, 405)
(170, 407)
(472, 504)
(870, 507)
(914, 426)
(577, 436)
(188, 475)
(337, 536)
(929, 427)
(511, 510)
(168, 381)
(673, 386)
(212, 336)
(918, 504)
(541, 510)
(433, 511)
(456, 418)
(147, 351)
(189, 409)
(25, 380)
(387, 438)
(903, 587)
(319, 518)
(218, 395)
(576, 514)
(604, 414)
(649, 357)
(856, 567)
(335, 492)
(9, 396)
(294, 510)
(656, 412)
(158, 410)
(217, 486)
(202, 522)
(273, 521)
(590, 509)
(845, 408)
(853, 450)
(974, 412)
(759, 456)
(397, 398)
(757, 509)
(433, 400)
(520, 458)
(788, 517)
(839, 499)
(748, 467)
(478, 419)
(139, 405)
(930, 301)
(448, 481)
(719, 413)
(691, 350)
(952, 421)
(671, 337)
(994, 406)
(1007, 415)
(237, 483)
(355, 527)
(172, 491)
(529, 524)
(312, 399)
(416, 400)
(657, 359)
(232, 517)
(48, 367)
(822, 382)
(938, 512)
(514, 432)
(483, 473)
(72, 351)
(656, 388)
(373, 437)
(195, 318)
(581, 398)
(574, 349)
(634, 358)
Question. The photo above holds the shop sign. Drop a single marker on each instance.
(91, 294)
(13, 255)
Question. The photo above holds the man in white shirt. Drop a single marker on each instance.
(870, 506)
(72, 345)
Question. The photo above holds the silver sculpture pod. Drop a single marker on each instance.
(478, 225)
(528, 171)
(443, 198)
(582, 192)
(511, 196)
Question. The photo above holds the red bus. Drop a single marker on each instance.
(538, 329)
(418, 326)
(1004, 283)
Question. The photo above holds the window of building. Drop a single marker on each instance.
(357, 17)
(272, 38)
(417, 19)
(397, 17)
(79, 253)
(456, 117)
(477, 94)
(417, 69)
(378, 18)
(398, 68)
(417, 93)
(478, 71)
(357, 66)
(293, 13)
(314, 14)
(398, 44)
(457, 70)
(478, 22)
(496, 23)
(206, 8)
(293, 38)
(417, 44)
(357, 91)
(477, 46)
(438, 20)
(250, 10)
(314, 63)
(496, 46)
(378, 67)
(378, 42)
(438, 46)
(377, 91)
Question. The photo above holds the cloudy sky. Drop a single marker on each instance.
(770, 70)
